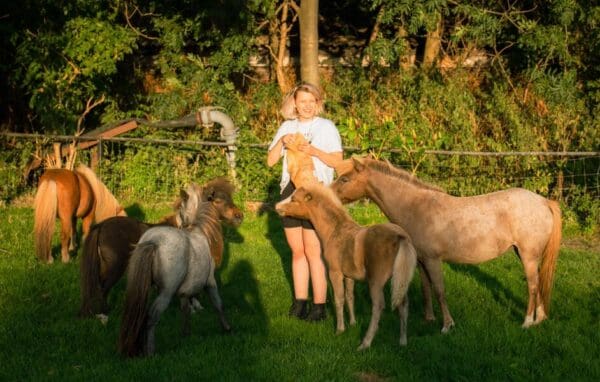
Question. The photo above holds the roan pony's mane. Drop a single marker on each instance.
(388, 169)
(207, 221)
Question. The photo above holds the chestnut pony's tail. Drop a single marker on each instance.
(45, 206)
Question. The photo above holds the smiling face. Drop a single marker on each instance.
(306, 105)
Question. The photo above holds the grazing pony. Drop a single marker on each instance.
(108, 246)
(176, 261)
(462, 229)
(352, 252)
(69, 195)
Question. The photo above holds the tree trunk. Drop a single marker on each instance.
(309, 41)
(433, 44)
(282, 80)
(407, 59)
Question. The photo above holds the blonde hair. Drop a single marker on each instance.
(288, 106)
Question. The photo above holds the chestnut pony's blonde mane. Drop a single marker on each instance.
(106, 204)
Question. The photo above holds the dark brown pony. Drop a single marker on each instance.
(462, 229)
(108, 246)
(373, 253)
(69, 195)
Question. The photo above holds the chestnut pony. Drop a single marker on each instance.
(462, 229)
(373, 253)
(69, 195)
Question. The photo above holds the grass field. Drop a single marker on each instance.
(41, 338)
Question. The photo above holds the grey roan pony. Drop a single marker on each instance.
(176, 261)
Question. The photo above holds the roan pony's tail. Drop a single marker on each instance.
(89, 269)
(132, 339)
(45, 206)
(550, 256)
(404, 269)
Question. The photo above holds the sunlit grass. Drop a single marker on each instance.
(42, 339)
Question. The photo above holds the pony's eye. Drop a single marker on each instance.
(344, 179)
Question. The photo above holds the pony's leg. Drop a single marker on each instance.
(434, 268)
(378, 301)
(73, 238)
(349, 295)
(426, 289)
(66, 236)
(531, 273)
(215, 299)
(403, 313)
(86, 224)
(337, 282)
(158, 306)
(186, 309)
(196, 306)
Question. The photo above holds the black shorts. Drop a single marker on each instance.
(288, 221)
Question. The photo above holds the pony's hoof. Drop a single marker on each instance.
(363, 347)
(446, 329)
(528, 322)
(103, 318)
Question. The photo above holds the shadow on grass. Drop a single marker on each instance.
(499, 291)
(275, 233)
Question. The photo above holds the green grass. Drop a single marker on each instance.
(41, 338)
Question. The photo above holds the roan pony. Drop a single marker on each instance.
(69, 195)
(176, 261)
(462, 229)
(353, 252)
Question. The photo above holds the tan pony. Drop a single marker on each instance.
(69, 195)
(373, 253)
(467, 230)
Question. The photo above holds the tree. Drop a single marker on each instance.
(309, 41)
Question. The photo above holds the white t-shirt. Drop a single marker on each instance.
(319, 132)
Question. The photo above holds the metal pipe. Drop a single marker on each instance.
(208, 115)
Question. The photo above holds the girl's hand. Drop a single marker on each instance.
(308, 149)
(287, 139)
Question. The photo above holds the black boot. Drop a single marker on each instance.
(317, 313)
(299, 309)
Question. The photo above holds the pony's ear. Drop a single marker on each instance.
(184, 195)
(359, 163)
(210, 194)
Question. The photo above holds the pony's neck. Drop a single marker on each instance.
(207, 223)
(384, 189)
(328, 220)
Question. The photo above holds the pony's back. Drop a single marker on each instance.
(106, 204)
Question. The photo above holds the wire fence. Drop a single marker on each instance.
(169, 163)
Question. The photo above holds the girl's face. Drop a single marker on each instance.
(306, 105)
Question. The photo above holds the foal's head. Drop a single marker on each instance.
(296, 205)
(351, 183)
(219, 192)
(315, 197)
